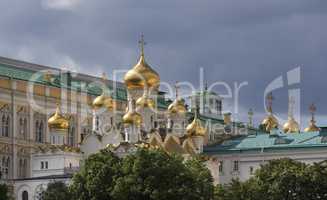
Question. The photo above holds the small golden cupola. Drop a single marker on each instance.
(145, 101)
(270, 122)
(312, 125)
(103, 100)
(195, 128)
(57, 121)
(132, 117)
(291, 126)
(142, 75)
(177, 106)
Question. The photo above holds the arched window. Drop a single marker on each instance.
(71, 136)
(151, 119)
(20, 168)
(25, 195)
(3, 122)
(25, 168)
(97, 123)
(39, 131)
(25, 129)
(7, 124)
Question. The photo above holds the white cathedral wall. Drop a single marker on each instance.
(58, 163)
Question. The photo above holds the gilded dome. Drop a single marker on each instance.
(131, 116)
(270, 122)
(195, 128)
(141, 76)
(103, 101)
(57, 121)
(312, 127)
(177, 106)
(145, 102)
(291, 126)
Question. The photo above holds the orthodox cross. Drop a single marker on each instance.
(250, 113)
(176, 89)
(142, 43)
(270, 99)
(312, 110)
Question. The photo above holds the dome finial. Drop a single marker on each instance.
(269, 99)
(312, 125)
(250, 114)
(176, 89)
(312, 110)
(291, 126)
(142, 44)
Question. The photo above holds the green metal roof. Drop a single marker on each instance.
(77, 85)
(263, 142)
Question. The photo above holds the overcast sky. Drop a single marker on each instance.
(232, 40)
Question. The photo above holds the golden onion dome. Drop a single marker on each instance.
(57, 121)
(312, 127)
(99, 101)
(141, 76)
(195, 128)
(270, 122)
(177, 107)
(103, 100)
(145, 102)
(132, 117)
(291, 126)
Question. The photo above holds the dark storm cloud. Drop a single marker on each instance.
(233, 40)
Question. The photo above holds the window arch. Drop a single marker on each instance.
(97, 123)
(71, 136)
(25, 129)
(25, 195)
(3, 122)
(7, 124)
(25, 168)
(39, 131)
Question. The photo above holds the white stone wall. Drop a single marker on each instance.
(246, 161)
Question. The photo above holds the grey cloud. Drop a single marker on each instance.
(234, 41)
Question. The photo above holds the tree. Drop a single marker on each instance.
(282, 179)
(96, 178)
(4, 192)
(144, 175)
(56, 191)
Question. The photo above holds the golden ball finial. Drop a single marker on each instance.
(57, 121)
